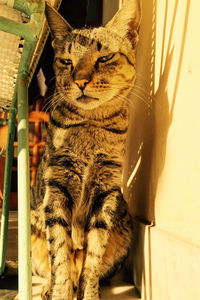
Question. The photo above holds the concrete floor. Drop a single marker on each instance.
(119, 287)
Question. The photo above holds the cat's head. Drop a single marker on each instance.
(95, 66)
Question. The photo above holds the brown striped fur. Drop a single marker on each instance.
(81, 228)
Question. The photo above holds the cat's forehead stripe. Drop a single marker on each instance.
(99, 46)
(84, 41)
(81, 39)
(100, 39)
(70, 47)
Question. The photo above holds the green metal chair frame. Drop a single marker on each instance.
(30, 33)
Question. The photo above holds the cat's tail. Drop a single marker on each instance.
(77, 236)
(78, 226)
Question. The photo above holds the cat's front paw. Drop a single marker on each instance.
(93, 296)
(89, 298)
(45, 295)
(56, 293)
(88, 289)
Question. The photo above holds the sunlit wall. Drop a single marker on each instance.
(162, 174)
(165, 129)
(177, 203)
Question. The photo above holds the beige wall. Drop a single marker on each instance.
(162, 178)
(166, 123)
(177, 203)
(166, 187)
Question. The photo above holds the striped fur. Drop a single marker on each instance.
(81, 228)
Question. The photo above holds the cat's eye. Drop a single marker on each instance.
(106, 58)
(66, 62)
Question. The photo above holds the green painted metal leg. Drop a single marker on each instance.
(25, 285)
(7, 186)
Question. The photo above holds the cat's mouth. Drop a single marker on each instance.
(86, 99)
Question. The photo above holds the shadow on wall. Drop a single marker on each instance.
(152, 111)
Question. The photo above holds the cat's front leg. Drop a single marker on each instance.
(57, 222)
(98, 233)
(89, 280)
(108, 239)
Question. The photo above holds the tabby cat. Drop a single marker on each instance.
(81, 227)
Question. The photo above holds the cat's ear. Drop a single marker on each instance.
(126, 21)
(57, 24)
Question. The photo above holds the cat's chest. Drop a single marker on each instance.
(79, 137)
(87, 138)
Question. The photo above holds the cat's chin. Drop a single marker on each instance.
(87, 103)
(86, 99)
(92, 104)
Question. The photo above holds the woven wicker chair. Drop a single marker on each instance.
(23, 33)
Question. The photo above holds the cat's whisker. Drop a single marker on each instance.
(142, 90)
(46, 106)
(135, 94)
(51, 79)
(49, 100)
(126, 100)
(131, 101)
(153, 100)
(147, 106)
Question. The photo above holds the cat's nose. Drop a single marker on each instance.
(81, 83)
